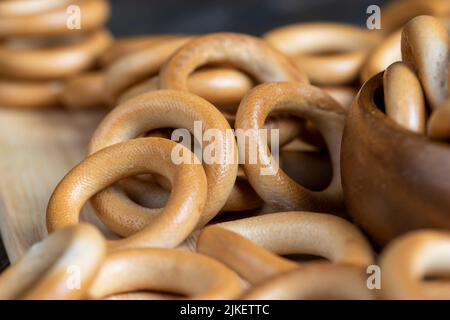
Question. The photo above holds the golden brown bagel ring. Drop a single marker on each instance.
(86, 90)
(403, 97)
(439, 123)
(45, 271)
(151, 84)
(52, 62)
(408, 259)
(223, 87)
(250, 54)
(337, 69)
(94, 14)
(397, 13)
(290, 127)
(345, 48)
(245, 52)
(176, 221)
(242, 197)
(283, 233)
(343, 95)
(136, 67)
(382, 56)
(167, 270)
(29, 94)
(315, 281)
(252, 262)
(165, 109)
(388, 52)
(426, 47)
(125, 46)
(29, 7)
(302, 100)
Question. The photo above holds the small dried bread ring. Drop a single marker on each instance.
(14, 8)
(284, 233)
(45, 271)
(403, 97)
(315, 281)
(223, 87)
(408, 259)
(252, 262)
(60, 61)
(165, 109)
(439, 123)
(274, 186)
(85, 91)
(167, 270)
(426, 47)
(54, 22)
(247, 53)
(290, 127)
(382, 56)
(138, 66)
(330, 53)
(343, 95)
(397, 13)
(176, 221)
(122, 47)
(29, 94)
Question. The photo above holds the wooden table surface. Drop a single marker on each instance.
(37, 148)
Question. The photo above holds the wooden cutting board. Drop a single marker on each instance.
(37, 148)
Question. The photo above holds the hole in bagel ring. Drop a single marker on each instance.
(275, 187)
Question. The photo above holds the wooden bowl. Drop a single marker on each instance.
(394, 180)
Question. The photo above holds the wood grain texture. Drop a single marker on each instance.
(37, 148)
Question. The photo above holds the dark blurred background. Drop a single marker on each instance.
(249, 16)
(132, 17)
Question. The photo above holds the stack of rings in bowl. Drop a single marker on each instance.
(375, 225)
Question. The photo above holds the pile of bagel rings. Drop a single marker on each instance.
(39, 49)
(223, 230)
